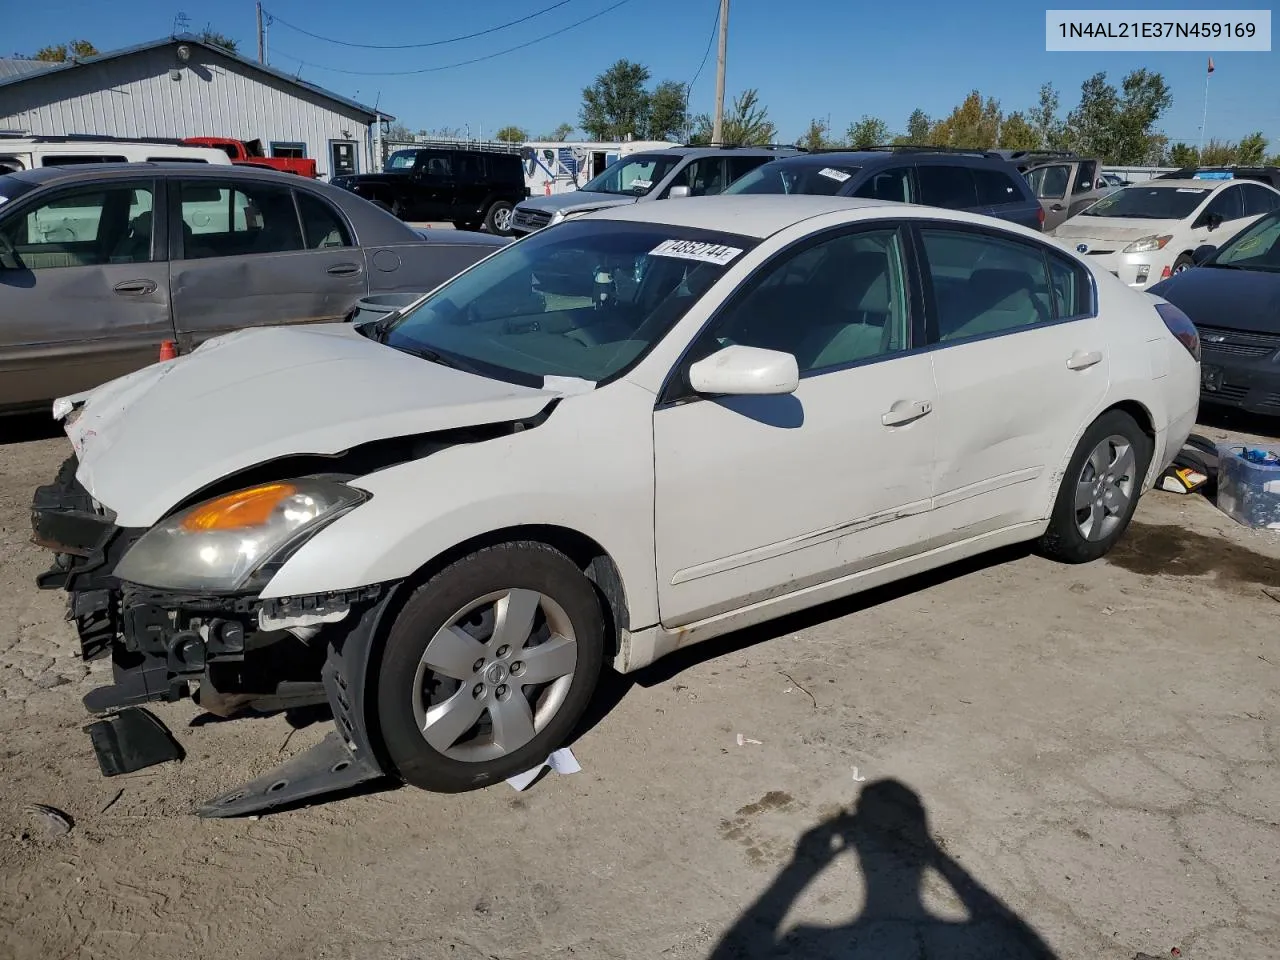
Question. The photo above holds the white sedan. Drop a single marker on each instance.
(619, 436)
(1148, 231)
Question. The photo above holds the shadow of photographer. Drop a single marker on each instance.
(889, 833)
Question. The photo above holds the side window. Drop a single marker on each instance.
(740, 166)
(984, 285)
(435, 164)
(891, 184)
(1259, 200)
(943, 185)
(1229, 205)
(83, 228)
(469, 166)
(1072, 291)
(996, 187)
(292, 151)
(837, 302)
(1086, 176)
(321, 225)
(221, 220)
(1050, 183)
(704, 177)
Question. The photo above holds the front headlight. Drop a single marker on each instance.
(217, 546)
(1147, 244)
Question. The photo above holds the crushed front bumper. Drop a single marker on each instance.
(162, 645)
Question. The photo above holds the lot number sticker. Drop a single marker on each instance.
(837, 175)
(641, 184)
(696, 250)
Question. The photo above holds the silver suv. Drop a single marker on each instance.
(651, 175)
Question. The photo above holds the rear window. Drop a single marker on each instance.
(942, 185)
(813, 179)
(996, 187)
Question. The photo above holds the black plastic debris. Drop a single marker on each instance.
(132, 740)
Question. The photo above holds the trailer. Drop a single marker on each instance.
(557, 167)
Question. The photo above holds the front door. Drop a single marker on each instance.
(1020, 359)
(244, 256)
(84, 290)
(431, 198)
(342, 158)
(757, 497)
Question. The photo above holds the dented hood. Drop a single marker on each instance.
(151, 439)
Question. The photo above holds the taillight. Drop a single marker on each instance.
(1040, 217)
(1181, 327)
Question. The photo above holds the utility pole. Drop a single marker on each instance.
(262, 40)
(717, 127)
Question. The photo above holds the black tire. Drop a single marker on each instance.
(1064, 541)
(1184, 262)
(520, 565)
(499, 211)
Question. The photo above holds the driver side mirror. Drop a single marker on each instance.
(676, 192)
(1202, 253)
(740, 371)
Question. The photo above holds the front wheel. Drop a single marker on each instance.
(498, 219)
(1183, 263)
(488, 667)
(1099, 490)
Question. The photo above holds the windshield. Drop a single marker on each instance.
(586, 299)
(1257, 248)
(1149, 203)
(401, 160)
(808, 178)
(634, 176)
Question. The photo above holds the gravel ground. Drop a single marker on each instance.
(1000, 755)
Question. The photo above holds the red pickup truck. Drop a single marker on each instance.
(251, 154)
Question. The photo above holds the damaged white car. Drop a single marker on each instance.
(616, 437)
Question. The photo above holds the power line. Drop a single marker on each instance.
(411, 46)
(710, 40)
(460, 63)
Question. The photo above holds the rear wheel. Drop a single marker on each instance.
(1099, 491)
(498, 219)
(488, 667)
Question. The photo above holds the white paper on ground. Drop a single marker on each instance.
(561, 761)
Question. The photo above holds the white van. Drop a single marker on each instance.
(19, 151)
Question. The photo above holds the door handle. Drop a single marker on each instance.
(1081, 360)
(904, 411)
(1056, 208)
(135, 288)
(343, 270)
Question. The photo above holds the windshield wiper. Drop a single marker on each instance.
(435, 356)
(1222, 266)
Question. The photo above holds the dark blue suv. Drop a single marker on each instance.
(973, 180)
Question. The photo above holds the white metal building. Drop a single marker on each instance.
(184, 87)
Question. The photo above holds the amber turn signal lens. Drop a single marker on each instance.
(235, 511)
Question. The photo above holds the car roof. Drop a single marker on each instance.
(1161, 183)
(756, 215)
(41, 176)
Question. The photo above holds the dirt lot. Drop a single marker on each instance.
(1095, 748)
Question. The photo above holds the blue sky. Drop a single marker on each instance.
(815, 59)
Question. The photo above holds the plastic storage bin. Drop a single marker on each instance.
(1249, 491)
(377, 306)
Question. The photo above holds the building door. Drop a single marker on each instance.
(342, 158)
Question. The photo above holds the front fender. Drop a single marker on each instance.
(587, 468)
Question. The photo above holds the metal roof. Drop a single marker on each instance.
(22, 72)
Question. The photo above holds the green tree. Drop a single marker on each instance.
(867, 132)
(1182, 155)
(1044, 119)
(1017, 133)
(746, 123)
(974, 125)
(62, 52)
(616, 105)
(512, 134)
(398, 131)
(917, 127)
(559, 134)
(1119, 126)
(1251, 150)
(667, 116)
(1216, 153)
(817, 137)
(209, 35)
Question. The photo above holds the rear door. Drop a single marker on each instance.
(248, 253)
(1020, 356)
(1051, 184)
(947, 185)
(1002, 195)
(84, 288)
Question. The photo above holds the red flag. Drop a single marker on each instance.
(1211, 64)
